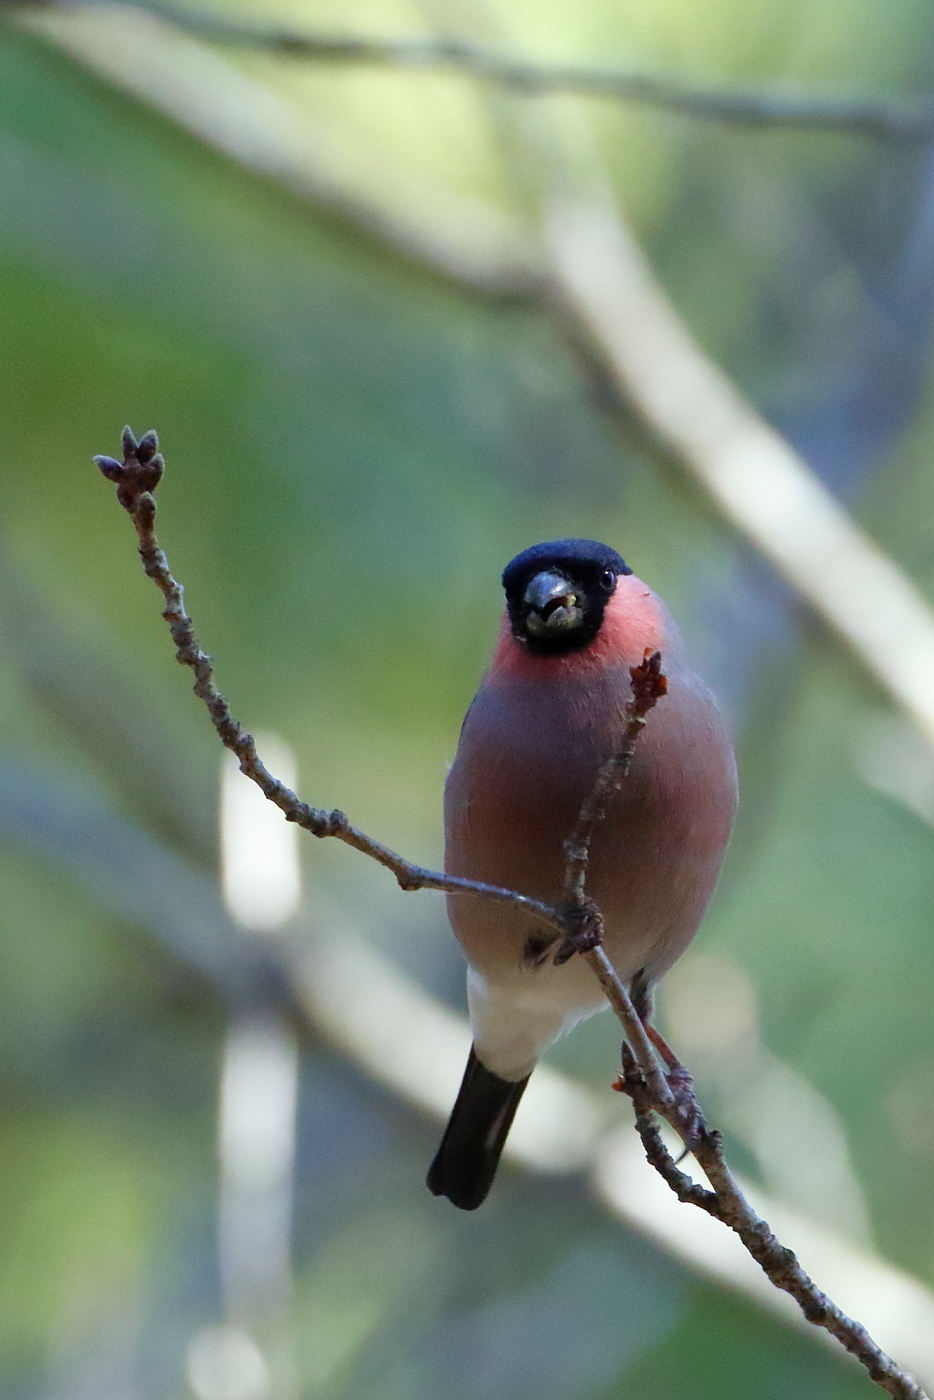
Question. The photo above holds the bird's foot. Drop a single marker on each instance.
(681, 1084)
(537, 948)
(585, 931)
(688, 1114)
(684, 1114)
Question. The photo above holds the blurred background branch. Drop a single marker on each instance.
(875, 118)
(647, 354)
(756, 478)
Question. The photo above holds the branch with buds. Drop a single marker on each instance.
(575, 925)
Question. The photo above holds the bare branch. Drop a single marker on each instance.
(728, 1204)
(579, 924)
(635, 1033)
(879, 119)
(136, 478)
(648, 687)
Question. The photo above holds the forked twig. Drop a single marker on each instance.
(577, 923)
(727, 1203)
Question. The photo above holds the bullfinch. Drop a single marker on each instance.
(550, 710)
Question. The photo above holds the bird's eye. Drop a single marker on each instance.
(607, 580)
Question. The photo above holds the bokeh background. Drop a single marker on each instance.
(318, 282)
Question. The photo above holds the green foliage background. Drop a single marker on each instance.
(356, 446)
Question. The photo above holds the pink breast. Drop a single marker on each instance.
(532, 741)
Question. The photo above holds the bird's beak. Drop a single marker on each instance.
(553, 605)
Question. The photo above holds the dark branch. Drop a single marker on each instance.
(879, 119)
(578, 924)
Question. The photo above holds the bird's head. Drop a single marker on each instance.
(556, 593)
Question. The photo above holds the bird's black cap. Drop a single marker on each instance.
(591, 569)
(587, 557)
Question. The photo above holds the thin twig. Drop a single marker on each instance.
(648, 687)
(728, 1204)
(879, 119)
(673, 1099)
(633, 1030)
(136, 478)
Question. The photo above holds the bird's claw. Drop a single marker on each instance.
(537, 947)
(685, 1113)
(585, 931)
(690, 1119)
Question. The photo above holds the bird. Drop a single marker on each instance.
(550, 710)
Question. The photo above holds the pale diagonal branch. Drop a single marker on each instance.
(652, 362)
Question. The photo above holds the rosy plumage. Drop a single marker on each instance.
(548, 712)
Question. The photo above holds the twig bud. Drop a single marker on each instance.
(112, 469)
(147, 446)
(140, 471)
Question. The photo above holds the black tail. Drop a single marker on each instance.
(466, 1161)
